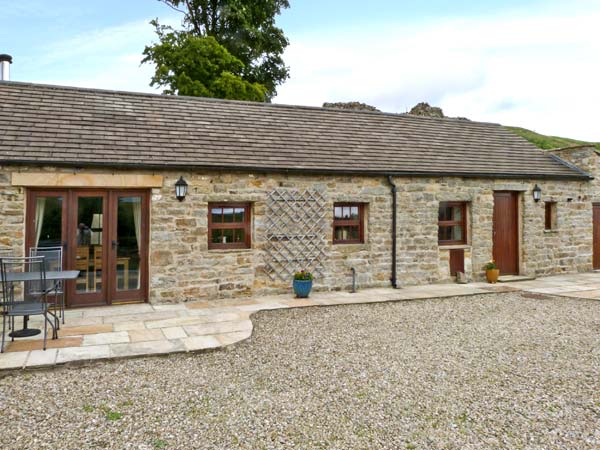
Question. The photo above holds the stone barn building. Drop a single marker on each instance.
(272, 189)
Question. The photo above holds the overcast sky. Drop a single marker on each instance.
(529, 63)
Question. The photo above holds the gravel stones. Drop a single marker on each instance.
(492, 371)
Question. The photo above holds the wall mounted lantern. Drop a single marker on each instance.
(181, 189)
(537, 193)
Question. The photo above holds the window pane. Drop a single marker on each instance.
(354, 212)
(228, 215)
(238, 215)
(354, 234)
(445, 234)
(341, 233)
(216, 237)
(450, 233)
(338, 212)
(445, 213)
(217, 215)
(456, 213)
(239, 234)
(457, 233)
(227, 236)
(346, 212)
(48, 222)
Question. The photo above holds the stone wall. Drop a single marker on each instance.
(182, 268)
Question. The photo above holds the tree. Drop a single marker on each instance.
(245, 28)
(199, 66)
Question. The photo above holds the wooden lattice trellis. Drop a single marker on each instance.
(295, 232)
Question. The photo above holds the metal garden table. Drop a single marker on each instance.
(54, 275)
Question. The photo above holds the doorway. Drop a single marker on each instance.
(104, 235)
(506, 232)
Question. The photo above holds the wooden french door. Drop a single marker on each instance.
(104, 235)
(506, 232)
(596, 236)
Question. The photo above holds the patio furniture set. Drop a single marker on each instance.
(33, 285)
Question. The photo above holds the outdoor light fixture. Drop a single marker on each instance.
(537, 193)
(181, 189)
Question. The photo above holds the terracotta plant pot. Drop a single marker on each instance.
(492, 275)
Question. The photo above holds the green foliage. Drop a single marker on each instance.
(245, 29)
(200, 67)
(548, 142)
(109, 414)
(159, 443)
(490, 265)
(303, 275)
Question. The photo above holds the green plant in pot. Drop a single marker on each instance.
(491, 271)
(303, 281)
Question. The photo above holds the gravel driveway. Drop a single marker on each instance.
(495, 371)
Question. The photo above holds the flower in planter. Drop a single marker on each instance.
(303, 275)
(491, 265)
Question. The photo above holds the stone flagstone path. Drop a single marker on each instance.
(144, 329)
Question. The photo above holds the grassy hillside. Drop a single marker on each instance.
(548, 142)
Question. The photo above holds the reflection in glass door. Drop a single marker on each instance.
(47, 220)
(87, 241)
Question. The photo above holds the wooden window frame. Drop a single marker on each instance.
(550, 211)
(452, 223)
(350, 223)
(245, 225)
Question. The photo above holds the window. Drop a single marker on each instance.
(452, 223)
(348, 223)
(228, 225)
(550, 219)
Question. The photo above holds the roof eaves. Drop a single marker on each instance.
(571, 166)
(580, 175)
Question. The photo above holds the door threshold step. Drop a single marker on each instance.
(513, 278)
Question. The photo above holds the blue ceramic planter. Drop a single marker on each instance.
(302, 288)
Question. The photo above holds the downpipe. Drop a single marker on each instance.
(353, 291)
(393, 279)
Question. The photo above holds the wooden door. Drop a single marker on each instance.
(88, 237)
(104, 235)
(128, 246)
(596, 236)
(506, 232)
(457, 261)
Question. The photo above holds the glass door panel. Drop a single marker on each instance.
(48, 221)
(87, 249)
(129, 233)
(128, 245)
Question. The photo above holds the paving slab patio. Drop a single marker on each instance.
(144, 329)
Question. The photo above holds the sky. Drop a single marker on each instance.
(528, 63)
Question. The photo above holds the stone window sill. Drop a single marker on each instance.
(455, 247)
(230, 250)
(350, 247)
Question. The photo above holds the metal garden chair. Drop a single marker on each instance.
(53, 261)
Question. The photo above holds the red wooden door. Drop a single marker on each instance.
(596, 242)
(506, 232)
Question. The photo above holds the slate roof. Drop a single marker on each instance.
(55, 125)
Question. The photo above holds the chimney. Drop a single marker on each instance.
(5, 62)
